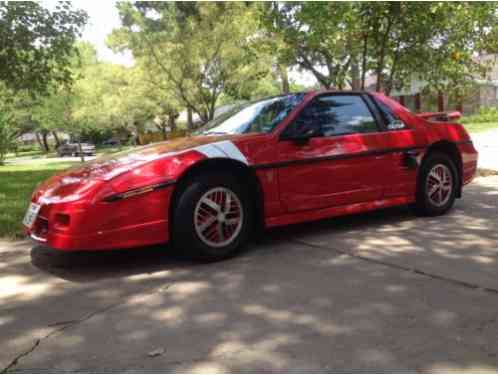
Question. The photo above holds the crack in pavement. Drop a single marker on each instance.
(62, 326)
(446, 279)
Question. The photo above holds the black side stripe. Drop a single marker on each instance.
(139, 191)
(284, 164)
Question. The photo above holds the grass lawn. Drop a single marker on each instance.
(105, 150)
(38, 154)
(478, 127)
(17, 182)
(32, 153)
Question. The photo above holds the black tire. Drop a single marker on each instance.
(424, 204)
(186, 240)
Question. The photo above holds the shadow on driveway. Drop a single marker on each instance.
(291, 302)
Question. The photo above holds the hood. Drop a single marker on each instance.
(77, 181)
(110, 166)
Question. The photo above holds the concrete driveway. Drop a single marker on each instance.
(381, 291)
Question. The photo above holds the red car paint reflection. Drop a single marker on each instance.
(126, 199)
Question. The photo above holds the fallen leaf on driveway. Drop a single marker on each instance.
(156, 352)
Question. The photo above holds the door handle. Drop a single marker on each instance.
(410, 159)
(411, 152)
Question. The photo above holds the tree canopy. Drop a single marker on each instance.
(342, 43)
(191, 57)
(36, 44)
(199, 51)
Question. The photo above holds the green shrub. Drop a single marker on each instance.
(485, 114)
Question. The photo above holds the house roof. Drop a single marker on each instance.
(417, 85)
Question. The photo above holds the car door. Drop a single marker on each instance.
(341, 164)
(406, 145)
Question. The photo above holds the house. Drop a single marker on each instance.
(482, 93)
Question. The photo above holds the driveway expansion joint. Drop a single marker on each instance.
(446, 279)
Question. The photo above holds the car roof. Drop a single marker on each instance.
(330, 91)
(315, 92)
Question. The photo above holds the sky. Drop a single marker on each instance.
(104, 17)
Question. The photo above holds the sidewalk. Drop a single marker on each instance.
(487, 145)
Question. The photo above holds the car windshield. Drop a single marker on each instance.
(255, 117)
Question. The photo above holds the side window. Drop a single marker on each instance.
(336, 115)
(391, 120)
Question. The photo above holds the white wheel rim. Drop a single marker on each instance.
(218, 217)
(439, 185)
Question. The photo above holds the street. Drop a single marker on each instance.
(385, 290)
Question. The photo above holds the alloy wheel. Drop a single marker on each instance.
(439, 185)
(218, 217)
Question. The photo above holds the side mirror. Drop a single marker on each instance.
(396, 125)
(297, 136)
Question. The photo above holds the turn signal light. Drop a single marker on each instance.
(62, 220)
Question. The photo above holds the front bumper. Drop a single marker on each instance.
(132, 222)
(126, 237)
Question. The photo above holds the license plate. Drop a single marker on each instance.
(31, 214)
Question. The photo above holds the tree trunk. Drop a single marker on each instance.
(38, 139)
(45, 141)
(164, 132)
(364, 61)
(418, 102)
(172, 122)
(355, 75)
(56, 138)
(440, 102)
(282, 71)
(459, 105)
(82, 155)
(138, 141)
(382, 55)
(190, 122)
(208, 115)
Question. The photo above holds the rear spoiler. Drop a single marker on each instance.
(440, 116)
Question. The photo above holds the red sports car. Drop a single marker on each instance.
(277, 161)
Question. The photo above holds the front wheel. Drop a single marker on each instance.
(212, 218)
(437, 185)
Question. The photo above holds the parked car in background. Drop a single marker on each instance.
(278, 161)
(111, 142)
(73, 149)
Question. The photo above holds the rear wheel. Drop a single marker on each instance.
(212, 218)
(437, 185)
